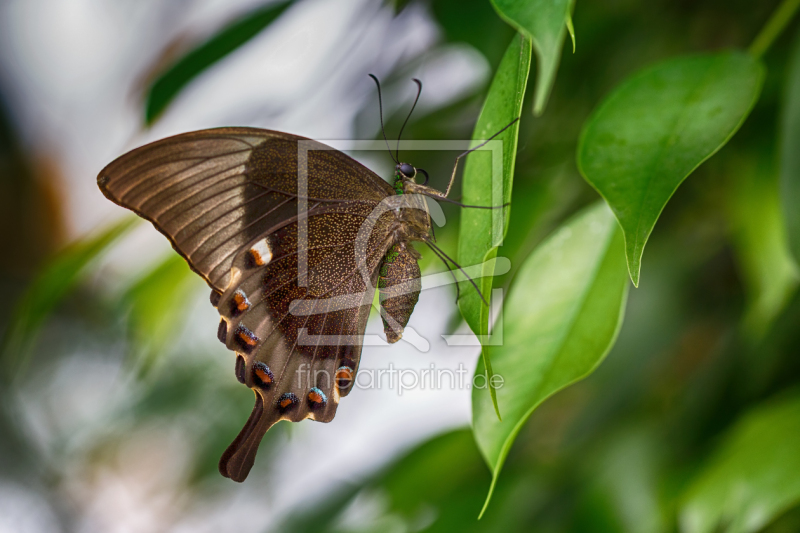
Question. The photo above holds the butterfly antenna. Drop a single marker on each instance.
(455, 165)
(439, 250)
(419, 92)
(380, 109)
(442, 259)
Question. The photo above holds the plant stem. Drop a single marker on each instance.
(773, 28)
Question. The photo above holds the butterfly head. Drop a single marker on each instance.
(405, 171)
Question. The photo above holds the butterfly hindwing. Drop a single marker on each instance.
(292, 276)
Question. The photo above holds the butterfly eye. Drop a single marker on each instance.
(262, 375)
(287, 401)
(317, 398)
(407, 170)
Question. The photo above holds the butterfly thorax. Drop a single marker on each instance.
(413, 221)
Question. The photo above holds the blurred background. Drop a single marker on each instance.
(116, 399)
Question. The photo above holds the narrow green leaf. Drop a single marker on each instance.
(397, 5)
(562, 316)
(482, 230)
(544, 22)
(752, 476)
(52, 284)
(769, 273)
(656, 128)
(233, 36)
(790, 154)
(157, 302)
(780, 18)
(571, 30)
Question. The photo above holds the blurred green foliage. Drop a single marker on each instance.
(169, 83)
(691, 422)
(789, 154)
(56, 279)
(751, 476)
(155, 303)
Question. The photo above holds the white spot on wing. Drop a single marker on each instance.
(261, 252)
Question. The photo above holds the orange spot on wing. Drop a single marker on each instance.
(246, 336)
(344, 376)
(257, 259)
(241, 301)
(263, 375)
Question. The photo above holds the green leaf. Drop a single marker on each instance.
(752, 476)
(544, 22)
(571, 30)
(790, 155)
(768, 271)
(233, 36)
(49, 287)
(656, 128)
(562, 316)
(157, 304)
(482, 230)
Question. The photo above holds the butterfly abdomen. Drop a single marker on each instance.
(399, 286)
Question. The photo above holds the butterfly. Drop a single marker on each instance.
(294, 238)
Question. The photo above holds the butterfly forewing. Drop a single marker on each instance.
(293, 277)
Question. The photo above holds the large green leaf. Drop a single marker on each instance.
(752, 477)
(562, 315)
(482, 230)
(656, 128)
(790, 154)
(545, 23)
(234, 35)
(52, 284)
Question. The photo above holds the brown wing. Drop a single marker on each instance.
(292, 277)
(210, 192)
